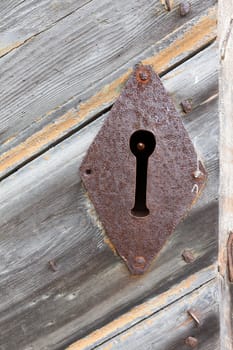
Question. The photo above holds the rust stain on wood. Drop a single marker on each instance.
(137, 313)
(201, 33)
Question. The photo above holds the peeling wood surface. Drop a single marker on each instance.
(169, 328)
(226, 170)
(46, 216)
(48, 88)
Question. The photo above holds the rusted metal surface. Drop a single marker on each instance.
(140, 196)
(230, 256)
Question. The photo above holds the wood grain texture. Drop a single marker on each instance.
(46, 215)
(143, 311)
(55, 83)
(23, 20)
(169, 328)
(226, 169)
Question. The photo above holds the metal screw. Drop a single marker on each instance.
(188, 256)
(186, 106)
(141, 146)
(184, 8)
(191, 341)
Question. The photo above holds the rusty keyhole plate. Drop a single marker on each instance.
(174, 176)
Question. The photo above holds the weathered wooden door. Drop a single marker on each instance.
(63, 65)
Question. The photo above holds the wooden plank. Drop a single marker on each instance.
(143, 311)
(226, 170)
(47, 93)
(169, 328)
(46, 215)
(23, 20)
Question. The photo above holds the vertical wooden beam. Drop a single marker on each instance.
(226, 165)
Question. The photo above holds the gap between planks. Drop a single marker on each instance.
(40, 188)
(201, 35)
(145, 310)
(50, 86)
(175, 325)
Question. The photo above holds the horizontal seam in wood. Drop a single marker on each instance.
(163, 308)
(73, 346)
(73, 120)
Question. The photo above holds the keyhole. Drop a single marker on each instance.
(142, 145)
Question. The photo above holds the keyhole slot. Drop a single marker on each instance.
(142, 145)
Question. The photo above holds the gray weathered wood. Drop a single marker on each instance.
(141, 312)
(226, 170)
(169, 328)
(23, 20)
(52, 73)
(47, 215)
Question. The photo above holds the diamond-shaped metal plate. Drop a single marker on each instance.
(174, 176)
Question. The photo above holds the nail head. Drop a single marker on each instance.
(139, 261)
(53, 265)
(184, 8)
(188, 256)
(143, 75)
(191, 341)
(186, 106)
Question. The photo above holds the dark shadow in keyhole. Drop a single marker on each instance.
(142, 145)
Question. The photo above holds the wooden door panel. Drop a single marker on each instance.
(47, 216)
(171, 327)
(226, 170)
(62, 71)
